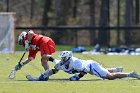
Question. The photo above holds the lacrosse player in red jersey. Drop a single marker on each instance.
(34, 43)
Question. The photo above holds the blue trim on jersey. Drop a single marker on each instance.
(90, 67)
(95, 71)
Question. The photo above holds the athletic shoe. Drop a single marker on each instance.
(119, 69)
(134, 75)
(43, 77)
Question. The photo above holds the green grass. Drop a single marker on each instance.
(59, 83)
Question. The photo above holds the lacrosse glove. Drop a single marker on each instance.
(19, 66)
(27, 45)
(74, 78)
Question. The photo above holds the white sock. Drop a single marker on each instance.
(127, 74)
(114, 69)
(117, 69)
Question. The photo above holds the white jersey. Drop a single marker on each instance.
(77, 65)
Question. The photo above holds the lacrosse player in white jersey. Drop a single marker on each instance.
(73, 65)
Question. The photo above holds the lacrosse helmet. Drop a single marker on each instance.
(65, 55)
(21, 38)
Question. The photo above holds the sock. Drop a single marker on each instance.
(127, 74)
(117, 69)
(114, 69)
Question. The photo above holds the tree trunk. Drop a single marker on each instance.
(62, 11)
(104, 22)
(118, 22)
(47, 6)
(32, 10)
(137, 19)
(92, 22)
(45, 19)
(127, 21)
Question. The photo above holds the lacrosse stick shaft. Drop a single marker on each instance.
(22, 57)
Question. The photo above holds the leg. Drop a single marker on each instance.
(112, 76)
(101, 72)
(113, 70)
(45, 65)
(44, 62)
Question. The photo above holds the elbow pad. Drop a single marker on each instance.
(51, 59)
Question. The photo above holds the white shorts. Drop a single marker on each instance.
(98, 70)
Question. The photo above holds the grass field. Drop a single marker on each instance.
(59, 83)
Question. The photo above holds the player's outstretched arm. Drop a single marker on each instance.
(77, 77)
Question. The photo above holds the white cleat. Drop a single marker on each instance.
(134, 75)
(119, 69)
(30, 78)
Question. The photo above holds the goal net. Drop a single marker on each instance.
(7, 32)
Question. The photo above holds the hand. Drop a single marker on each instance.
(26, 49)
(74, 78)
(33, 47)
(18, 66)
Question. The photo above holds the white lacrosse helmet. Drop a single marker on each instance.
(65, 55)
(21, 37)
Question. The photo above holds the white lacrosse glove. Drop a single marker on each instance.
(19, 66)
(27, 45)
(74, 78)
(33, 47)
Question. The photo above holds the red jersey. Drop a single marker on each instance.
(40, 43)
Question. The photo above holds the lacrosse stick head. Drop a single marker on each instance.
(12, 74)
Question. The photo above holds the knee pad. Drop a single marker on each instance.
(54, 71)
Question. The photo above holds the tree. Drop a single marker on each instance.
(137, 18)
(62, 13)
(45, 19)
(127, 20)
(47, 7)
(104, 22)
(92, 21)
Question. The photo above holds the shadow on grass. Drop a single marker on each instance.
(65, 79)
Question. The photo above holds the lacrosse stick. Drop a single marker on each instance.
(13, 71)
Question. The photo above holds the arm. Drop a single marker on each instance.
(77, 77)
(21, 64)
(27, 60)
(55, 70)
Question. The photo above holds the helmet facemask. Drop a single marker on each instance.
(65, 56)
(21, 38)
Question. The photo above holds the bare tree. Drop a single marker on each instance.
(127, 20)
(92, 21)
(104, 22)
(137, 4)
